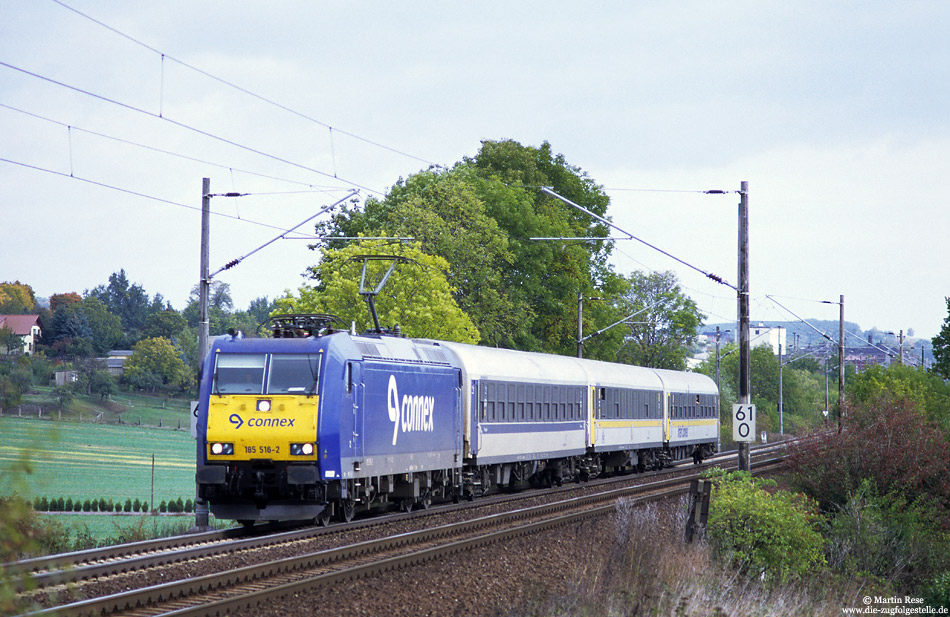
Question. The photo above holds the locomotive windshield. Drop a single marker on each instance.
(239, 374)
(286, 374)
(293, 374)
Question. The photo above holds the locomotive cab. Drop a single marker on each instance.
(260, 445)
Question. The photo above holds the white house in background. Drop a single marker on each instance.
(761, 334)
(26, 326)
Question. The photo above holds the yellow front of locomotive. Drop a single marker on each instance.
(263, 407)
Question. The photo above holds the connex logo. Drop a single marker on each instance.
(412, 414)
(236, 420)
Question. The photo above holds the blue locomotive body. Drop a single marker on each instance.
(357, 421)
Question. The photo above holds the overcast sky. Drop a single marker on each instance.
(836, 113)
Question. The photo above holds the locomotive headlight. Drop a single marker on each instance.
(302, 449)
(222, 449)
(263, 405)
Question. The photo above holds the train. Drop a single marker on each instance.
(319, 424)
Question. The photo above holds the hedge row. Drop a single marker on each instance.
(60, 504)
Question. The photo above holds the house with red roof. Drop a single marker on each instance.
(26, 326)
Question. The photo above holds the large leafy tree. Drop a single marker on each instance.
(441, 211)
(156, 362)
(664, 322)
(106, 328)
(417, 297)
(168, 324)
(481, 216)
(941, 347)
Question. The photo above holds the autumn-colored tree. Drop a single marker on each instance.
(16, 298)
(57, 301)
(887, 441)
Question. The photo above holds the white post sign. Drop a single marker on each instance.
(194, 419)
(743, 422)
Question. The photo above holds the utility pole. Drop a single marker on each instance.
(580, 324)
(902, 349)
(717, 358)
(781, 415)
(826, 389)
(840, 361)
(201, 507)
(745, 381)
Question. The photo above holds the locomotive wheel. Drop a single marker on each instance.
(405, 505)
(348, 510)
(246, 524)
(323, 519)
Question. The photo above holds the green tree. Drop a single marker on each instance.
(70, 322)
(929, 393)
(167, 324)
(10, 341)
(219, 305)
(667, 321)
(417, 296)
(261, 308)
(941, 347)
(156, 362)
(64, 394)
(127, 300)
(103, 384)
(520, 293)
(104, 327)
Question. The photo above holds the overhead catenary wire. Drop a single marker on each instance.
(188, 127)
(146, 195)
(613, 225)
(73, 127)
(235, 262)
(241, 89)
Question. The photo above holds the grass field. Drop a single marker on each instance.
(121, 408)
(91, 461)
(82, 460)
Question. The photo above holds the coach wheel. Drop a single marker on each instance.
(426, 500)
(348, 510)
(405, 505)
(246, 524)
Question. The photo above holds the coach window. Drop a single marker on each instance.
(238, 374)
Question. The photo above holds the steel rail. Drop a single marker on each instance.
(43, 572)
(225, 582)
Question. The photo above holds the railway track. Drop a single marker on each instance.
(255, 585)
(62, 569)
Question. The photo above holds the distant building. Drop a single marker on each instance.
(115, 361)
(26, 326)
(762, 335)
